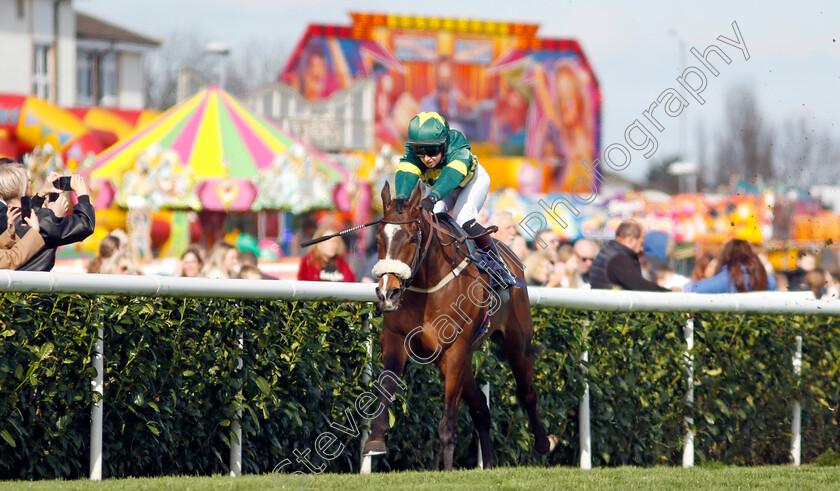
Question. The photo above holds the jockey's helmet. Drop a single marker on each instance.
(427, 133)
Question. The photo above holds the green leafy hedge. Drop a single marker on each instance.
(174, 385)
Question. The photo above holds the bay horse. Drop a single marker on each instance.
(434, 312)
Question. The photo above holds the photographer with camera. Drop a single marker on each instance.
(55, 229)
(14, 251)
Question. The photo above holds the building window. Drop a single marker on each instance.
(85, 89)
(41, 71)
(108, 79)
(96, 78)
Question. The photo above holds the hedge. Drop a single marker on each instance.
(173, 386)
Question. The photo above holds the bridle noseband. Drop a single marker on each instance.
(417, 260)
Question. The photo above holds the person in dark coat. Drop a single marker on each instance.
(56, 231)
(617, 265)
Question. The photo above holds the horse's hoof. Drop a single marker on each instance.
(552, 443)
(547, 446)
(374, 447)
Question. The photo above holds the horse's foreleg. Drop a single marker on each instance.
(522, 364)
(394, 358)
(480, 415)
(453, 365)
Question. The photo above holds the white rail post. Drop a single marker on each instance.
(486, 390)
(583, 411)
(98, 386)
(796, 424)
(236, 445)
(366, 461)
(688, 360)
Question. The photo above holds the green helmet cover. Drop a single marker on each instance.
(428, 128)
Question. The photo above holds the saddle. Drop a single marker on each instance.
(484, 260)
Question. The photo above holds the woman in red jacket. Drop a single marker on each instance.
(325, 262)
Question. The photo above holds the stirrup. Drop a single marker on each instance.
(507, 276)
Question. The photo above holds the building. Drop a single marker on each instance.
(355, 88)
(69, 58)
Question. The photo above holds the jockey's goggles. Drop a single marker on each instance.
(429, 150)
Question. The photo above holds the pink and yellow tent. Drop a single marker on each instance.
(224, 144)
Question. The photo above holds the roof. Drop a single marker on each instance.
(93, 28)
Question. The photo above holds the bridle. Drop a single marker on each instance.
(417, 260)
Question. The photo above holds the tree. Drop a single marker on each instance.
(745, 148)
(245, 68)
(659, 178)
(807, 156)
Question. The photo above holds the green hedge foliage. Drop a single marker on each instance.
(174, 385)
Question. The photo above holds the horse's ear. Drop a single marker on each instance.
(386, 195)
(416, 195)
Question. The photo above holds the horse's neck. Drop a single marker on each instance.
(430, 272)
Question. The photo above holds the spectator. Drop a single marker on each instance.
(56, 231)
(816, 279)
(307, 231)
(617, 265)
(832, 285)
(547, 242)
(191, 264)
(248, 258)
(701, 265)
(326, 261)
(14, 251)
(507, 228)
(667, 278)
(539, 270)
(520, 247)
(781, 282)
(366, 274)
(222, 262)
(646, 268)
(658, 249)
(250, 272)
(806, 261)
(586, 252)
(121, 263)
(761, 252)
(122, 238)
(107, 247)
(567, 266)
(737, 269)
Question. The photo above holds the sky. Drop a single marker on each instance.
(633, 47)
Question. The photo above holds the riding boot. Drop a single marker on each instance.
(487, 243)
(507, 275)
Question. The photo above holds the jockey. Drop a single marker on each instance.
(441, 157)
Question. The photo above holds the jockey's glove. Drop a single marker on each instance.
(399, 203)
(428, 203)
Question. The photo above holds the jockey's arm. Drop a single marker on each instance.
(450, 178)
(406, 178)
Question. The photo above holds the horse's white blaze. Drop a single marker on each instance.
(390, 231)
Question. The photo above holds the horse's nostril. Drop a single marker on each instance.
(392, 293)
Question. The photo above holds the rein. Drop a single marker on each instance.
(435, 230)
(417, 260)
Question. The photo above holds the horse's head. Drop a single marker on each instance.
(398, 240)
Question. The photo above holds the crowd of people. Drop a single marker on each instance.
(32, 227)
(634, 260)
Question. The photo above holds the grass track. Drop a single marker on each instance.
(766, 478)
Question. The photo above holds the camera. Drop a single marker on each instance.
(63, 183)
(25, 206)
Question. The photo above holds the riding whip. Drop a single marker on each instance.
(328, 237)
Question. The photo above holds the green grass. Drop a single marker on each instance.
(765, 478)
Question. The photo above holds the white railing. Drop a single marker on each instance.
(601, 300)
